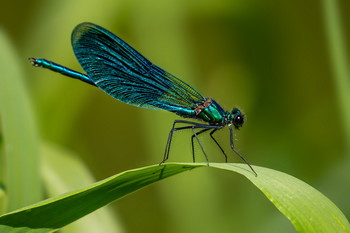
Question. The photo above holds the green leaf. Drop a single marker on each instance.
(63, 171)
(57, 212)
(20, 139)
(307, 209)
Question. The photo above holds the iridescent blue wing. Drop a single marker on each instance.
(122, 72)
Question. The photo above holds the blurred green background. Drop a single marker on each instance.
(282, 62)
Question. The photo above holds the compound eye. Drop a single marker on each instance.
(238, 120)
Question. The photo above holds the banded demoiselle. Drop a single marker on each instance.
(123, 73)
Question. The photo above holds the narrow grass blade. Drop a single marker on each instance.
(63, 171)
(20, 139)
(307, 209)
(57, 212)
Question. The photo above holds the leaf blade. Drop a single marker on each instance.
(307, 209)
(20, 136)
(57, 212)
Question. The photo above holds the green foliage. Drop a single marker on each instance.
(75, 174)
(307, 209)
(270, 58)
(57, 212)
(21, 147)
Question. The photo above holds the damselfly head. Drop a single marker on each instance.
(237, 118)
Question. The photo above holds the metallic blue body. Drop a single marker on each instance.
(61, 69)
(215, 115)
(123, 73)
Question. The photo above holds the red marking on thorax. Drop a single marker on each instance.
(205, 103)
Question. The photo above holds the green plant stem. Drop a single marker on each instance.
(339, 62)
(21, 161)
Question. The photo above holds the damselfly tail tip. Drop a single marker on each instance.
(33, 60)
